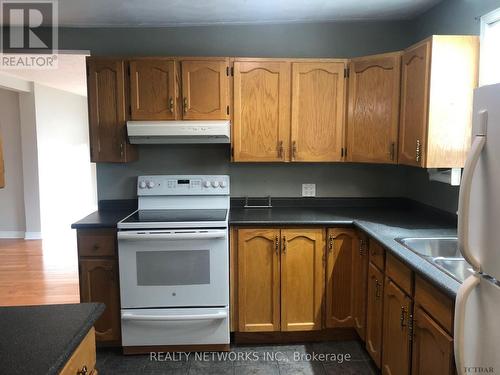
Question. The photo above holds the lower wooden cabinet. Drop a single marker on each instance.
(302, 279)
(432, 347)
(396, 332)
(258, 280)
(83, 359)
(360, 273)
(375, 313)
(99, 280)
(280, 279)
(99, 283)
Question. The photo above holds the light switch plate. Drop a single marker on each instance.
(308, 190)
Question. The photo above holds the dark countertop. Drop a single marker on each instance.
(40, 339)
(383, 219)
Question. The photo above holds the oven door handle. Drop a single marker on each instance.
(175, 318)
(172, 236)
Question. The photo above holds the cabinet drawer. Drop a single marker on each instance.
(83, 356)
(96, 242)
(435, 302)
(377, 254)
(400, 273)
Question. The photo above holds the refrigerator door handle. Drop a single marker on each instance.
(460, 311)
(465, 191)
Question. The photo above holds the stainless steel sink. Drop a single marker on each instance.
(442, 252)
(459, 269)
(445, 247)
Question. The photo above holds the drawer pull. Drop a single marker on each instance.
(83, 371)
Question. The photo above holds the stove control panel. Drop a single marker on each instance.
(183, 185)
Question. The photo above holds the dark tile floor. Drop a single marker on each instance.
(339, 358)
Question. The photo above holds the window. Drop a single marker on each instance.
(489, 72)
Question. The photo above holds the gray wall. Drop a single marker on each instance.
(334, 39)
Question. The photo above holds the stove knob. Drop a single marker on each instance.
(142, 185)
(206, 184)
(215, 184)
(223, 184)
(150, 184)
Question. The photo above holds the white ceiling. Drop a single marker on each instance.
(115, 13)
(70, 74)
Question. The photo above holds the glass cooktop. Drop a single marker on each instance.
(170, 216)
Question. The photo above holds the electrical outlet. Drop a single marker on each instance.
(308, 190)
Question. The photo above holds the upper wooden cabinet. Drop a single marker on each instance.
(261, 129)
(258, 280)
(438, 78)
(373, 114)
(302, 279)
(318, 95)
(153, 89)
(2, 168)
(107, 101)
(205, 89)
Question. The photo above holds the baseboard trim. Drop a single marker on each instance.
(33, 235)
(12, 234)
(330, 334)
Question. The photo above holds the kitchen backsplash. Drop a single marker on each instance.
(118, 181)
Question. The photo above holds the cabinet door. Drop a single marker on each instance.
(302, 279)
(153, 89)
(2, 168)
(107, 111)
(318, 96)
(374, 315)
(205, 89)
(360, 273)
(373, 116)
(261, 111)
(414, 104)
(341, 246)
(396, 351)
(432, 347)
(99, 283)
(258, 280)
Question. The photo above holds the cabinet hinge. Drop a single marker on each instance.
(227, 110)
(227, 71)
(346, 72)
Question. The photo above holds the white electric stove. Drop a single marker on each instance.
(174, 262)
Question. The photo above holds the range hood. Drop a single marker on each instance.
(163, 132)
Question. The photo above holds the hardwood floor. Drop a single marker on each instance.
(38, 272)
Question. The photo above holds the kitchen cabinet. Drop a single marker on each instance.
(153, 89)
(99, 279)
(280, 279)
(374, 315)
(302, 279)
(318, 96)
(2, 167)
(396, 332)
(108, 103)
(438, 78)
(261, 129)
(360, 273)
(83, 359)
(432, 347)
(259, 280)
(205, 89)
(342, 243)
(373, 111)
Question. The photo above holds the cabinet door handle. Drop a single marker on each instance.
(83, 371)
(280, 149)
(294, 149)
(185, 105)
(411, 325)
(284, 245)
(277, 244)
(171, 105)
(330, 243)
(417, 151)
(402, 317)
(361, 247)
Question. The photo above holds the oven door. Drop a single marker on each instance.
(173, 268)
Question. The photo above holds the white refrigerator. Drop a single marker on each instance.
(477, 308)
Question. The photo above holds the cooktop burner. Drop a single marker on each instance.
(172, 215)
